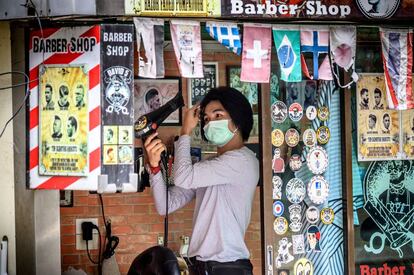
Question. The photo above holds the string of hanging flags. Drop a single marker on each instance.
(303, 52)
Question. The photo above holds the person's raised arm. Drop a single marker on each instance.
(177, 197)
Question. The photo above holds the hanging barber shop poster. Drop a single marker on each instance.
(378, 126)
(64, 117)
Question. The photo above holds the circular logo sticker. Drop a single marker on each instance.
(140, 123)
(312, 214)
(292, 137)
(278, 208)
(280, 225)
(295, 163)
(323, 135)
(378, 9)
(295, 190)
(309, 137)
(318, 189)
(279, 112)
(327, 215)
(317, 160)
(295, 112)
(311, 112)
(277, 137)
(323, 113)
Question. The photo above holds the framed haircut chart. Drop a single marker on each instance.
(151, 94)
(198, 87)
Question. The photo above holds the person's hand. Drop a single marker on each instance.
(154, 147)
(190, 119)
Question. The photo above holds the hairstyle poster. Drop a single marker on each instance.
(151, 94)
(64, 117)
(378, 126)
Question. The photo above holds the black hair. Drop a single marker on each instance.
(377, 91)
(63, 90)
(235, 103)
(373, 117)
(150, 94)
(385, 115)
(49, 86)
(73, 122)
(364, 90)
(57, 118)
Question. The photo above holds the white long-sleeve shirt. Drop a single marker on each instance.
(224, 188)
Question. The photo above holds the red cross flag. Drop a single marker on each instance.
(257, 44)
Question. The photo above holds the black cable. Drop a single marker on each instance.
(21, 105)
(99, 263)
(164, 163)
(113, 241)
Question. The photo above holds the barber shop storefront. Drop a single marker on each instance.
(331, 91)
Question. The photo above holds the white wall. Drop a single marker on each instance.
(7, 201)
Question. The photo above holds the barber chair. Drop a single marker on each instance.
(156, 260)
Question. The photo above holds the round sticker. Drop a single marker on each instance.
(323, 135)
(317, 160)
(295, 190)
(327, 215)
(278, 208)
(295, 163)
(312, 214)
(277, 137)
(323, 113)
(309, 137)
(279, 112)
(295, 213)
(280, 225)
(295, 112)
(318, 189)
(292, 137)
(311, 112)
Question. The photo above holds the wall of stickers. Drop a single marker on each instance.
(306, 178)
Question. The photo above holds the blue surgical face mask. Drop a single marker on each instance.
(218, 133)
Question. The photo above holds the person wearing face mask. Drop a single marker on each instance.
(223, 187)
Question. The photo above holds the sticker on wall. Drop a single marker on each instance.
(327, 215)
(312, 214)
(389, 196)
(309, 137)
(295, 190)
(298, 244)
(295, 215)
(283, 272)
(292, 137)
(313, 236)
(295, 163)
(323, 113)
(303, 266)
(277, 187)
(279, 112)
(278, 164)
(277, 137)
(323, 135)
(278, 208)
(295, 112)
(317, 160)
(318, 189)
(311, 112)
(283, 253)
(280, 225)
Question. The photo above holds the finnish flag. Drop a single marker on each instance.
(226, 33)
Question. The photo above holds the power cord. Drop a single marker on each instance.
(87, 228)
(111, 242)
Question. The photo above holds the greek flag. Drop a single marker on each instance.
(227, 34)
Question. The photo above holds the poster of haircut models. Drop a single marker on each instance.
(378, 126)
(64, 117)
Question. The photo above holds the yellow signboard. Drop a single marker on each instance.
(63, 120)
